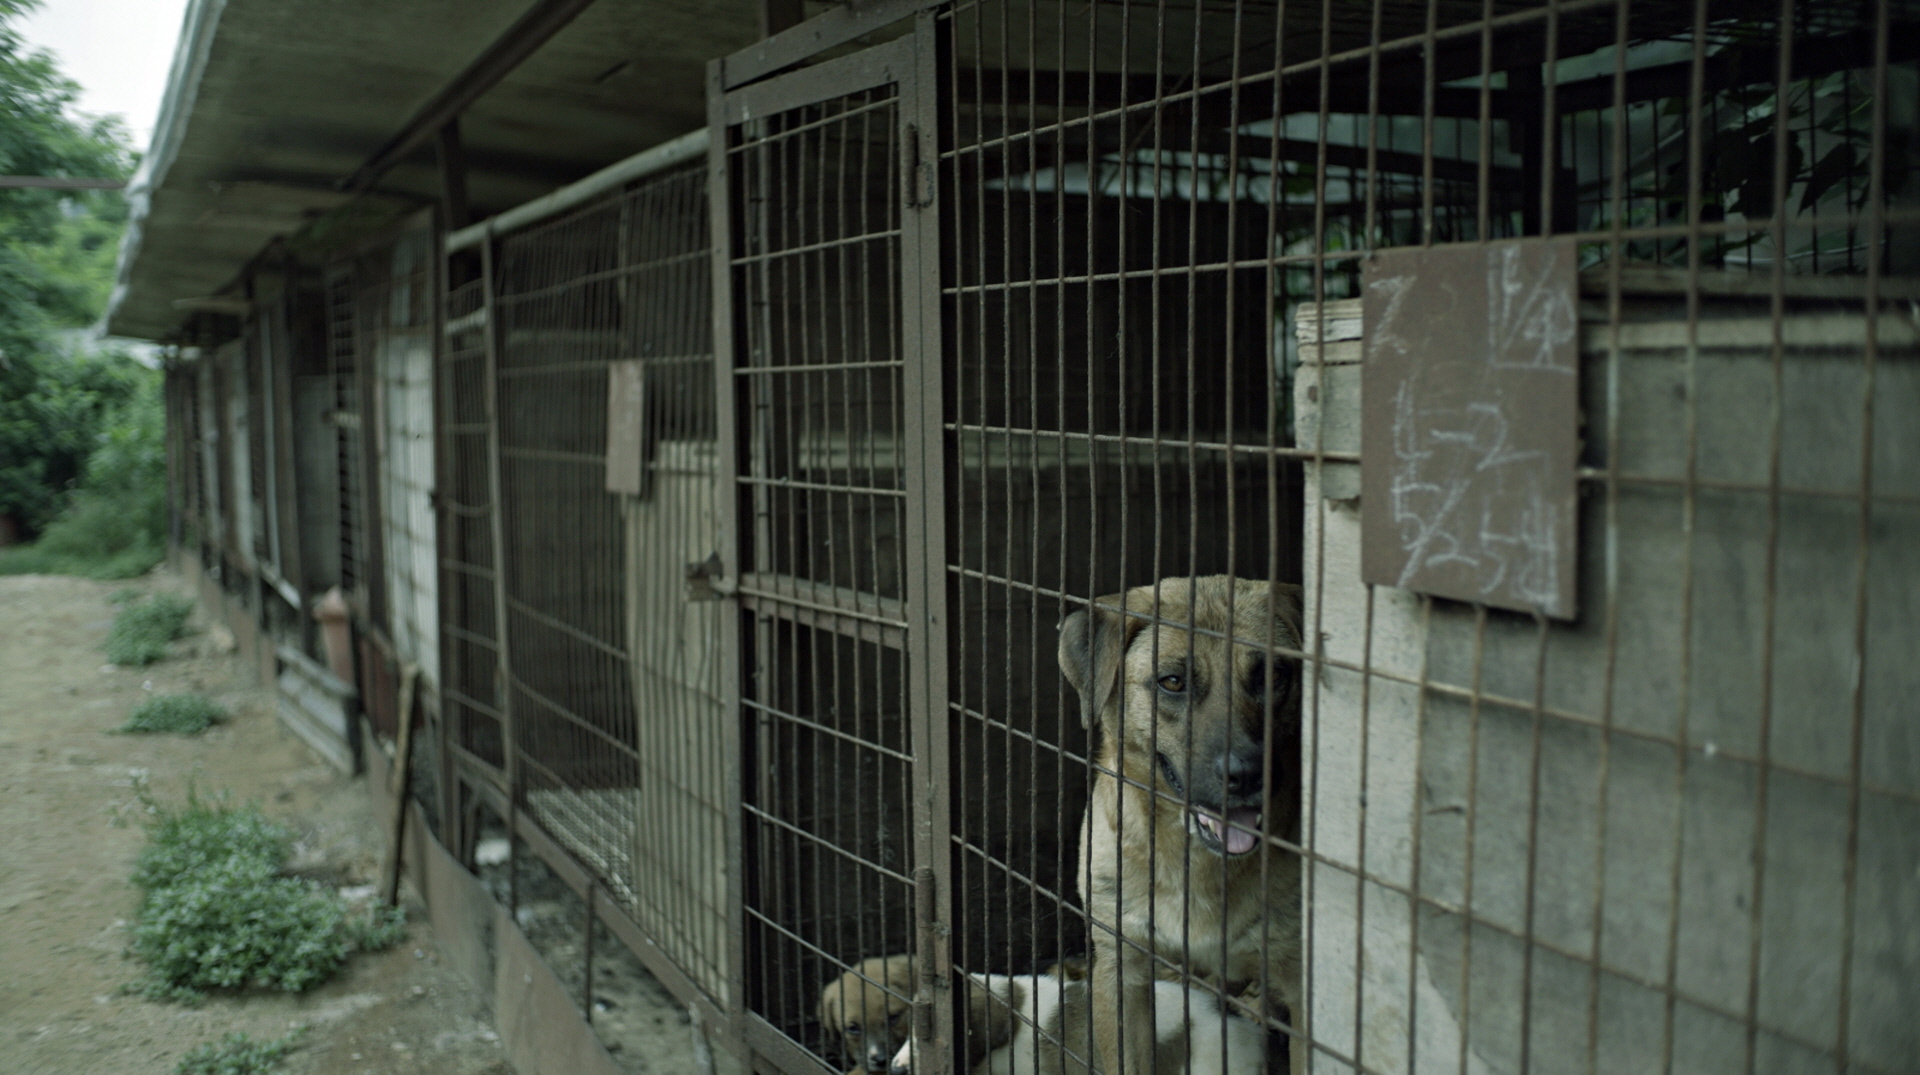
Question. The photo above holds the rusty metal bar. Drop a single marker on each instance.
(534, 28)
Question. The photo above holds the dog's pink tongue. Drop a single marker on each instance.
(1240, 831)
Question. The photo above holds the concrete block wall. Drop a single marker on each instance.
(1682, 832)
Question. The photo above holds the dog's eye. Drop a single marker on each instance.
(853, 1030)
(1173, 683)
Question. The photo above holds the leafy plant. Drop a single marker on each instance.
(142, 631)
(219, 913)
(182, 714)
(237, 1054)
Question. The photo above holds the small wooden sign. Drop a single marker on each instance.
(1470, 397)
(627, 427)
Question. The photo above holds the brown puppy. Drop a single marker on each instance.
(1178, 867)
(870, 1007)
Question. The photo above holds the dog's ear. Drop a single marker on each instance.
(830, 1004)
(1093, 642)
(1285, 599)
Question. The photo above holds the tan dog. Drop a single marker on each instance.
(1178, 868)
(1036, 1024)
(871, 1008)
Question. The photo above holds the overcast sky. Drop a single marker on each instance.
(117, 50)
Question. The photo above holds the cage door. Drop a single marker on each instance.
(829, 398)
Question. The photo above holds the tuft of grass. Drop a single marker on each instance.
(378, 929)
(142, 631)
(182, 714)
(219, 913)
(237, 1054)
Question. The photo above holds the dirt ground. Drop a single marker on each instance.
(70, 829)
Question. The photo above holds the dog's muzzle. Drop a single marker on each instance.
(1229, 830)
(1237, 833)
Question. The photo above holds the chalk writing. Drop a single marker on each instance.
(1468, 387)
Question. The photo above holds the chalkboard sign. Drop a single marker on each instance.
(1469, 392)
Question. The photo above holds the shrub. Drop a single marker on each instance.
(181, 843)
(237, 1054)
(182, 714)
(219, 914)
(142, 630)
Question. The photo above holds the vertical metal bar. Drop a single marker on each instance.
(509, 727)
(1610, 629)
(1549, 148)
(269, 438)
(1695, 165)
(590, 914)
(727, 547)
(974, 686)
(921, 392)
(1483, 155)
(1534, 733)
(1777, 231)
(993, 875)
(1465, 1017)
(1876, 252)
(1315, 636)
(445, 523)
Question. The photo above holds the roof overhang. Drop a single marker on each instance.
(273, 104)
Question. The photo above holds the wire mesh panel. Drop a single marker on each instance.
(823, 310)
(380, 317)
(607, 482)
(1112, 420)
(1658, 835)
(343, 368)
(1530, 845)
(402, 313)
(471, 698)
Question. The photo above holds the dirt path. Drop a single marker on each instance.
(69, 831)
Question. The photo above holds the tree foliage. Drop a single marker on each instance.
(57, 252)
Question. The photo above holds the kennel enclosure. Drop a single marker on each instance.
(726, 503)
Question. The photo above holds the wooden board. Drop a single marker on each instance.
(1469, 392)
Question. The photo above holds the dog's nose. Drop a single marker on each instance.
(1240, 772)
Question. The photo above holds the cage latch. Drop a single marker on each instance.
(706, 580)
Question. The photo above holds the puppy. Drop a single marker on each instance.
(1198, 773)
(870, 1007)
(1049, 1035)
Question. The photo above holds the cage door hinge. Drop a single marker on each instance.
(919, 171)
(929, 957)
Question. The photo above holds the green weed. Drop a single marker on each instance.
(237, 1054)
(182, 714)
(142, 630)
(218, 913)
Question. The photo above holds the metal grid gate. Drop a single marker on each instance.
(380, 312)
(579, 483)
(1612, 834)
(983, 312)
(822, 227)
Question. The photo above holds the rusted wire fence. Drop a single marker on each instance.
(763, 486)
